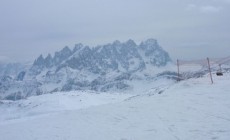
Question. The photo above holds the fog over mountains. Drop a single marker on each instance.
(101, 68)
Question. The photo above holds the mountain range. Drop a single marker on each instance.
(101, 68)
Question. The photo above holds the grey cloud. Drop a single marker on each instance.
(204, 9)
(210, 9)
(46, 26)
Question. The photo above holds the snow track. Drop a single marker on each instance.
(188, 110)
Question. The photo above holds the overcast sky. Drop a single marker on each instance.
(187, 29)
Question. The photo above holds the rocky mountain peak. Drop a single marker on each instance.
(39, 61)
(130, 42)
(149, 45)
(116, 43)
(150, 41)
(48, 61)
(77, 47)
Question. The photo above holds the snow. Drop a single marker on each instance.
(60, 101)
(193, 109)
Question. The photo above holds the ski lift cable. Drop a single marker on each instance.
(223, 60)
(226, 61)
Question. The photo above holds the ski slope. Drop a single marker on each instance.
(193, 109)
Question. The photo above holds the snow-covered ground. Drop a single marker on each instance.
(193, 109)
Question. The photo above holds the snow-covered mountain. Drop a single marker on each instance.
(126, 57)
(102, 68)
(12, 69)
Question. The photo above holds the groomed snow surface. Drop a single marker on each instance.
(193, 109)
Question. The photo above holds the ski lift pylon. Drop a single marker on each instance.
(219, 73)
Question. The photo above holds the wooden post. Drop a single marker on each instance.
(209, 70)
(178, 71)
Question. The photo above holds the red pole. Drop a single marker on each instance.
(209, 70)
